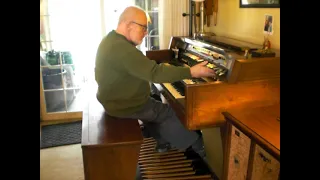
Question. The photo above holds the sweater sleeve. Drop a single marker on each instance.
(142, 67)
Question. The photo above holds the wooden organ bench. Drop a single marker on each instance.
(110, 146)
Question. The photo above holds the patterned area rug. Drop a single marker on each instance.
(60, 134)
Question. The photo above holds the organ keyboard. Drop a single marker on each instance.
(175, 90)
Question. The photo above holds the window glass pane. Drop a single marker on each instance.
(140, 3)
(152, 5)
(52, 78)
(71, 78)
(55, 101)
(154, 43)
(153, 26)
(76, 99)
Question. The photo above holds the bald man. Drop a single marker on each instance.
(123, 74)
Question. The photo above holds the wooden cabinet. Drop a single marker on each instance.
(252, 146)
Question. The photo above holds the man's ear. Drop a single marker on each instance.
(128, 25)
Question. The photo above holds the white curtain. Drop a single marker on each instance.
(171, 21)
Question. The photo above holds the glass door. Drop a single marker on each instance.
(69, 35)
(60, 86)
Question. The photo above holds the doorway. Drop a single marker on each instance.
(70, 32)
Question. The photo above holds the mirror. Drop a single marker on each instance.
(259, 3)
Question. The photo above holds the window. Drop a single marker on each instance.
(151, 41)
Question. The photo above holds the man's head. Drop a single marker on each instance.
(133, 24)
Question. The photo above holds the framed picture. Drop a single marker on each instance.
(259, 3)
(268, 24)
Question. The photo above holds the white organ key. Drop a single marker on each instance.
(173, 91)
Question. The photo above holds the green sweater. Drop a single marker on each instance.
(123, 73)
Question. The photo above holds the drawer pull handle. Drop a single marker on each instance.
(236, 161)
(237, 133)
(264, 158)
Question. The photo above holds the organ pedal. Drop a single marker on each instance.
(174, 164)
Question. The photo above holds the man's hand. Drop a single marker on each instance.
(201, 70)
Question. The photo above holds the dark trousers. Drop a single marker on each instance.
(163, 124)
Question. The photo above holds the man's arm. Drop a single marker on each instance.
(140, 66)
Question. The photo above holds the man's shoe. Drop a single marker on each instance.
(156, 97)
(162, 147)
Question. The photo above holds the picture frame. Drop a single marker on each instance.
(268, 24)
(259, 3)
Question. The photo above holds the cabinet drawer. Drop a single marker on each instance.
(265, 167)
(239, 155)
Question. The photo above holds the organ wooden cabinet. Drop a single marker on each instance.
(252, 146)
